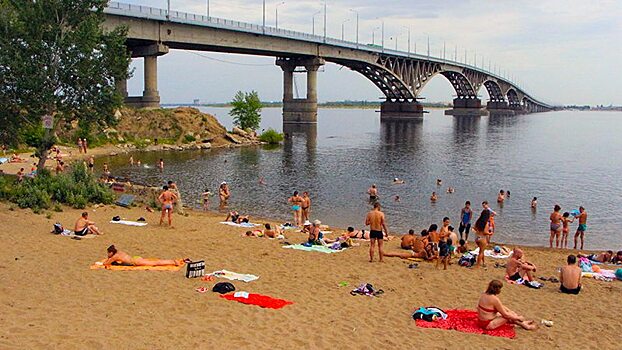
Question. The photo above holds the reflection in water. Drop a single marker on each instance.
(348, 150)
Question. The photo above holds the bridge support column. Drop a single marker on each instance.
(466, 105)
(401, 110)
(299, 110)
(499, 107)
(151, 96)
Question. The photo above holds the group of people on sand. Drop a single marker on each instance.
(560, 226)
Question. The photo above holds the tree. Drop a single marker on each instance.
(246, 110)
(55, 59)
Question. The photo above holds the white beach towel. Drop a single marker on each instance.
(491, 254)
(244, 224)
(128, 223)
(234, 276)
(69, 233)
(313, 248)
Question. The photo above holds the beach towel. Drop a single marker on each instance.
(466, 321)
(604, 275)
(4, 160)
(244, 224)
(100, 266)
(125, 200)
(257, 299)
(234, 276)
(129, 223)
(69, 233)
(491, 254)
(313, 248)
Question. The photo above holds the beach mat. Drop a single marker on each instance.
(465, 321)
(234, 276)
(313, 248)
(257, 299)
(129, 223)
(125, 200)
(244, 224)
(69, 233)
(97, 266)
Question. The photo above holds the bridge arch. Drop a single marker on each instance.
(513, 100)
(494, 91)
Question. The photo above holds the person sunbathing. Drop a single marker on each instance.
(236, 218)
(117, 257)
(364, 235)
(518, 268)
(417, 250)
(491, 314)
(618, 258)
(16, 159)
(271, 233)
(84, 226)
(603, 257)
(408, 241)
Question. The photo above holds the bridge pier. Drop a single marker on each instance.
(299, 110)
(499, 107)
(151, 95)
(466, 105)
(401, 110)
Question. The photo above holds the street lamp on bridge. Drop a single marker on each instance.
(276, 13)
(373, 35)
(357, 27)
(342, 28)
(313, 21)
(408, 28)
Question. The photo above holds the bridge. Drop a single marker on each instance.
(400, 76)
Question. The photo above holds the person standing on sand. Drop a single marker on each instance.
(491, 221)
(84, 145)
(566, 221)
(173, 188)
(296, 202)
(556, 226)
(223, 194)
(306, 206)
(376, 222)
(570, 277)
(492, 314)
(167, 198)
(80, 145)
(466, 214)
(481, 230)
(582, 227)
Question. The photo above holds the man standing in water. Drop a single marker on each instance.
(167, 198)
(373, 193)
(306, 206)
(376, 222)
(582, 227)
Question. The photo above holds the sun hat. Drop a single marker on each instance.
(317, 222)
(307, 223)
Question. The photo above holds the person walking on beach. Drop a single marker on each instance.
(373, 193)
(80, 145)
(296, 202)
(582, 227)
(376, 222)
(84, 145)
(306, 206)
(167, 198)
(556, 226)
(466, 214)
(223, 194)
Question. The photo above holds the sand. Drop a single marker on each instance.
(49, 298)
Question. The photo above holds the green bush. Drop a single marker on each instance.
(189, 138)
(76, 188)
(271, 136)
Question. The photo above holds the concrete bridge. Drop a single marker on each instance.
(399, 75)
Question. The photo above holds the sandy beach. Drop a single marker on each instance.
(51, 299)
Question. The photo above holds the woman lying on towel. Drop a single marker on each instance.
(492, 314)
(117, 257)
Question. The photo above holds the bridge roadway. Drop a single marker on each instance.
(399, 75)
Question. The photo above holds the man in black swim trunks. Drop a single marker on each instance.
(518, 268)
(570, 277)
(376, 222)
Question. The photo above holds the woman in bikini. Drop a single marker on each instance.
(117, 257)
(491, 314)
(296, 201)
(481, 230)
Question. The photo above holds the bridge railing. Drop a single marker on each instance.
(123, 9)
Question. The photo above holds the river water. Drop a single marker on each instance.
(567, 158)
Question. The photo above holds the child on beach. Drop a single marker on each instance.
(565, 228)
(462, 248)
(206, 196)
(444, 253)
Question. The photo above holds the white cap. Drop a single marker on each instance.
(223, 183)
(317, 222)
(306, 223)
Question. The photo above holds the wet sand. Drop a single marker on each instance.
(49, 298)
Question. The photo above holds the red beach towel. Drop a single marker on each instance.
(466, 321)
(259, 300)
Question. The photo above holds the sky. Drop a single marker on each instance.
(560, 51)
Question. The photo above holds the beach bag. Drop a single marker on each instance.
(467, 260)
(223, 287)
(429, 314)
(58, 228)
(195, 269)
